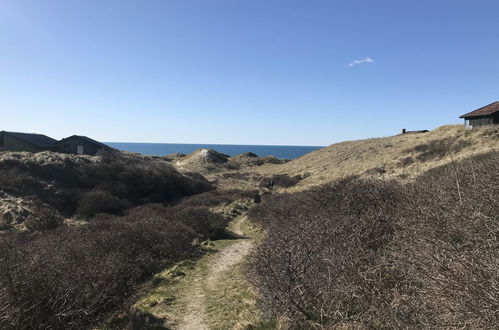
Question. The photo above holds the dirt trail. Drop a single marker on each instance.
(195, 297)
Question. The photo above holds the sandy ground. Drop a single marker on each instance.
(194, 297)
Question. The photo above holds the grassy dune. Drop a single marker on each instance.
(402, 156)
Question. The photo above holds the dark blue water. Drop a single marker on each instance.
(161, 149)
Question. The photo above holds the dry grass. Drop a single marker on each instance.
(402, 156)
(225, 301)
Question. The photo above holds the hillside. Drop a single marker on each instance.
(209, 161)
(40, 190)
(401, 156)
(378, 253)
(80, 236)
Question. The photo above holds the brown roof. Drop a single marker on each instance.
(483, 111)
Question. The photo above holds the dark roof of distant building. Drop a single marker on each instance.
(483, 111)
(38, 140)
(89, 140)
(416, 132)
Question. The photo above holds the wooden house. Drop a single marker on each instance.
(487, 115)
(81, 145)
(14, 141)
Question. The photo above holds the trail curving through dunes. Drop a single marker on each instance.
(195, 297)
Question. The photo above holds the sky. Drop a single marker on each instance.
(278, 72)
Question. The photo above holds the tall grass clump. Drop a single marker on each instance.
(370, 253)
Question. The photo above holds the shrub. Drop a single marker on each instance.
(98, 201)
(448, 243)
(280, 180)
(314, 264)
(438, 148)
(73, 276)
(141, 182)
(376, 254)
(121, 181)
(406, 161)
(4, 223)
(207, 224)
(203, 223)
(43, 218)
(219, 197)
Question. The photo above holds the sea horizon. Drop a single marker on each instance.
(162, 149)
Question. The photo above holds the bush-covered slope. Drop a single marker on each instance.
(372, 253)
(73, 276)
(38, 190)
(130, 217)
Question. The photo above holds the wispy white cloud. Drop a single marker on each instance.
(362, 61)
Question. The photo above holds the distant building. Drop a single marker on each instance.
(76, 144)
(81, 145)
(487, 115)
(404, 131)
(14, 141)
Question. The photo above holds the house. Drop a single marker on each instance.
(76, 144)
(81, 145)
(14, 141)
(487, 115)
(404, 131)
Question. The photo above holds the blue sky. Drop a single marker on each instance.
(309, 72)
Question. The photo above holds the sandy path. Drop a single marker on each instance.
(195, 314)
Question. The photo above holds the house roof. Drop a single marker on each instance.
(89, 140)
(38, 140)
(483, 111)
(416, 132)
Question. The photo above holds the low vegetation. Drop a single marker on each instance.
(399, 156)
(72, 276)
(81, 236)
(280, 181)
(371, 253)
(130, 217)
(208, 161)
(86, 186)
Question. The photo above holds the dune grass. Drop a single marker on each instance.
(401, 156)
(228, 303)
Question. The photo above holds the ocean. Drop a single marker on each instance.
(161, 149)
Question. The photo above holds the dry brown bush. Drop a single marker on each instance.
(372, 253)
(112, 184)
(73, 276)
(437, 149)
(43, 218)
(98, 201)
(219, 197)
(280, 180)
